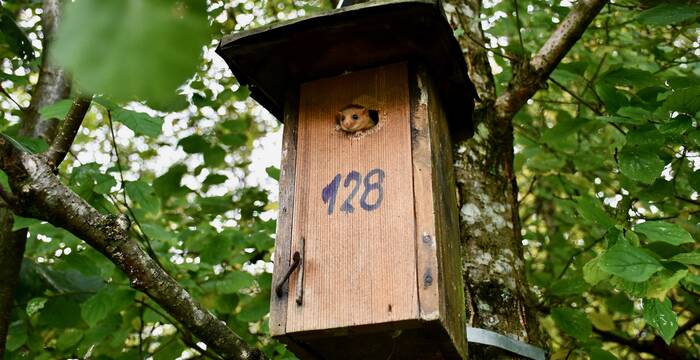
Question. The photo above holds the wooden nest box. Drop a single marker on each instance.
(367, 259)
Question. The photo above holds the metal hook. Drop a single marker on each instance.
(297, 262)
(296, 259)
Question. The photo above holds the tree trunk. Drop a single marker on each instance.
(497, 292)
(51, 86)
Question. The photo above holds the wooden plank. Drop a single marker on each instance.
(452, 306)
(278, 305)
(360, 265)
(427, 275)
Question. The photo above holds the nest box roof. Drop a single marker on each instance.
(271, 58)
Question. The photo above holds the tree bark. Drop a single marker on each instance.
(38, 193)
(51, 86)
(497, 292)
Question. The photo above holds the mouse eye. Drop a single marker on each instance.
(355, 117)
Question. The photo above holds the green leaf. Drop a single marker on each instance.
(217, 250)
(641, 164)
(665, 232)
(256, 308)
(691, 258)
(668, 14)
(96, 308)
(22, 222)
(684, 101)
(600, 354)
(628, 76)
(30, 145)
(104, 183)
(620, 303)
(639, 115)
(233, 140)
(132, 49)
(591, 210)
(4, 181)
(14, 37)
(57, 110)
(567, 287)
(169, 350)
(100, 305)
(573, 322)
(629, 262)
(215, 179)
(68, 339)
(62, 312)
(241, 93)
(139, 123)
(214, 156)
(612, 98)
(35, 304)
(194, 144)
(233, 282)
(592, 273)
(236, 126)
(273, 172)
(677, 125)
(168, 184)
(17, 336)
(662, 282)
(661, 317)
(142, 194)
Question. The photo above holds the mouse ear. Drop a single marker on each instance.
(364, 111)
(338, 117)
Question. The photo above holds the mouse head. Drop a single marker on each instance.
(353, 118)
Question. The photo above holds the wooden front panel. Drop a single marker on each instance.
(359, 263)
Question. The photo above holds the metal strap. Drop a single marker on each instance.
(486, 337)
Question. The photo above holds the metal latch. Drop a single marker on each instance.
(297, 262)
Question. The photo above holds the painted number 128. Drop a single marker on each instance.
(372, 182)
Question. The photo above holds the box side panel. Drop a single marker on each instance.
(354, 205)
(283, 240)
(452, 305)
(427, 275)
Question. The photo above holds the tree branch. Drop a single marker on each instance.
(656, 347)
(69, 129)
(530, 76)
(41, 195)
(52, 86)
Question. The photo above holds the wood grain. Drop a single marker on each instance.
(452, 308)
(423, 187)
(360, 266)
(283, 241)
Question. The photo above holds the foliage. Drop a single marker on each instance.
(607, 159)
(607, 164)
(182, 177)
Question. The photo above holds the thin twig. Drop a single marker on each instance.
(529, 189)
(141, 234)
(689, 201)
(69, 129)
(571, 259)
(519, 25)
(4, 92)
(578, 98)
(589, 83)
(186, 336)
